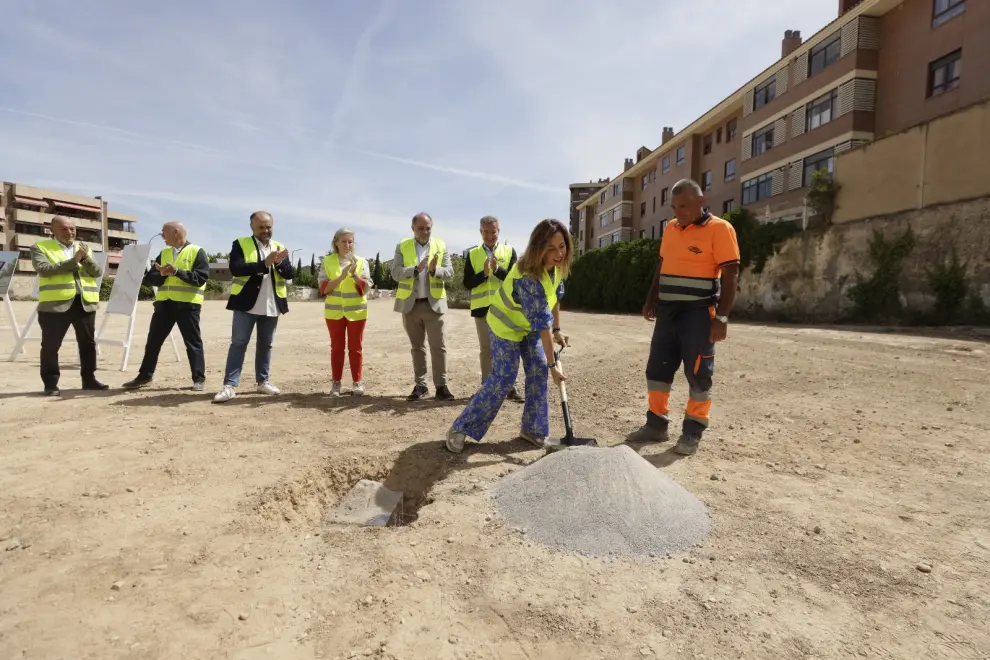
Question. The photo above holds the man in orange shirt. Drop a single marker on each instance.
(691, 298)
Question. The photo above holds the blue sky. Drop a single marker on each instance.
(331, 113)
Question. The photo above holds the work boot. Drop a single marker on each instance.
(140, 381)
(418, 393)
(647, 433)
(687, 445)
(444, 394)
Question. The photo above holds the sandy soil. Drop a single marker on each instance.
(156, 525)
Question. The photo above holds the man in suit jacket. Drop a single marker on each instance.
(421, 266)
(67, 296)
(180, 272)
(260, 267)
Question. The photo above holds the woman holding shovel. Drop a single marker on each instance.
(524, 322)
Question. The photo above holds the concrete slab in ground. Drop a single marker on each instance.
(369, 504)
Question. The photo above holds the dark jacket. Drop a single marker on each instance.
(473, 279)
(245, 300)
(196, 277)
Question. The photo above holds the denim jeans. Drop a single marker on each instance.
(243, 326)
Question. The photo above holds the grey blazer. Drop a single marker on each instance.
(46, 268)
(445, 271)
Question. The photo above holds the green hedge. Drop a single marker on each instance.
(614, 278)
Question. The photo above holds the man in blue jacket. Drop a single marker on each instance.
(260, 267)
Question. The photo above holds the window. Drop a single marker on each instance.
(616, 187)
(642, 233)
(945, 10)
(616, 214)
(718, 135)
(762, 141)
(707, 142)
(706, 180)
(642, 209)
(664, 196)
(603, 218)
(727, 206)
(822, 110)
(615, 237)
(601, 198)
(581, 235)
(823, 160)
(943, 73)
(680, 155)
(603, 241)
(764, 93)
(646, 180)
(758, 188)
(653, 232)
(730, 169)
(824, 54)
(665, 163)
(730, 131)
(654, 204)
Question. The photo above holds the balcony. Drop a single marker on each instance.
(36, 218)
(124, 235)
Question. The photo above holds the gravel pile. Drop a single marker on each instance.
(601, 502)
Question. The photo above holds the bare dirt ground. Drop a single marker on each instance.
(157, 525)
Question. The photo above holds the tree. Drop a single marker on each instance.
(298, 268)
(312, 265)
(214, 257)
(377, 274)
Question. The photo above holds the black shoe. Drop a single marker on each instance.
(52, 391)
(687, 444)
(95, 385)
(418, 393)
(140, 381)
(514, 395)
(443, 394)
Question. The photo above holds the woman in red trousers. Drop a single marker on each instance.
(345, 280)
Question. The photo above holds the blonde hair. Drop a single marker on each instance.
(531, 262)
(343, 231)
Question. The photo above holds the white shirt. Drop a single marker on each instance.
(422, 289)
(265, 304)
(70, 253)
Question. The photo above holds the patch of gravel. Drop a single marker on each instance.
(602, 502)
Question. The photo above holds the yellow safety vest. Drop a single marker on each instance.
(175, 289)
(506, 318)
(344, 301)
(251, 256)
(408, 250)
(481, 295)
(62, 286)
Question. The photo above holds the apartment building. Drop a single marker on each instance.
(880, 67)
(26, 213)
(580, 192)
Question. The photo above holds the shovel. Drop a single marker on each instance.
(568, 440)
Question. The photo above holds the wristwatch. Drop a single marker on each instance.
(551, 365)
(722, 319)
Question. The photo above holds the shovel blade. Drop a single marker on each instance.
(567, 443)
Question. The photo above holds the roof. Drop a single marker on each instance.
(864, 8)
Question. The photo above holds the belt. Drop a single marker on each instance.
(421, 299)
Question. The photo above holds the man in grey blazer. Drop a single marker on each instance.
(421, 266)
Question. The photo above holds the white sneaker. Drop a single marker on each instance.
(534, 440)
(335, 389)
(225, 394)
(198, 387)
(358, 389)
(268, 388)
(455, 441)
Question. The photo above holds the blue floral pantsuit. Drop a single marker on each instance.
(481, 410)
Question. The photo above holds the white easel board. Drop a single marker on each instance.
(124, 298)
(8, 264)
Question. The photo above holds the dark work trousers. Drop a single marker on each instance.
(54, 325)
(167, 314)
(681, 336)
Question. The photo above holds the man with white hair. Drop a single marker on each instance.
(691, 299)
(180, 272)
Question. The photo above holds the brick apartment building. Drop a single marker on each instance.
(880, 67)
(26, 213)
(579, 193)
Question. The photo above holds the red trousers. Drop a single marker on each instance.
(349, 333)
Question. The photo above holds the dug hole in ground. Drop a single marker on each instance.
(844, 478)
